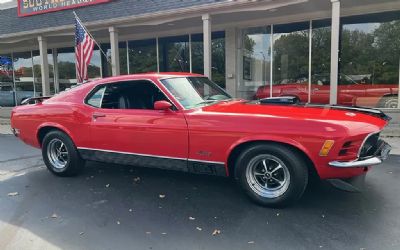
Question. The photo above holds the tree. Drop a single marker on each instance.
(290, 56)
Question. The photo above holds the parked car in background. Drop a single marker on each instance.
(8, 96)
(350, 91)
(185, 122)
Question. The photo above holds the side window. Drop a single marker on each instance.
(95, 99)
(132, 95)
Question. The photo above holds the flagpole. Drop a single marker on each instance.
(87, 31)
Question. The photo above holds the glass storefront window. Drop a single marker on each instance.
(256, 45)
(106, 69)
(37, 71)
(123, 58)
(174, 54)
(23, 74)
(94, 67)
(66, 68)
(143, 56)
(218, 56)
(7, 97)
(369, 61)
(197, 53)
(106, 62)
(290, 60)
(320, 62)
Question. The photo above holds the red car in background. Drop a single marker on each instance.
(185, 122)
(350, 92)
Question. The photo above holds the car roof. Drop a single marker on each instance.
(148, 75)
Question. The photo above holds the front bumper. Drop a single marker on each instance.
(381, 154)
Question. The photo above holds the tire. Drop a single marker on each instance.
(279, 182)
(60, 154)
(388, 102)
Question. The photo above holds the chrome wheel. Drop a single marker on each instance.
(57, 153)
(267, 176)
(391, 103)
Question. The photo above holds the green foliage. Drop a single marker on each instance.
(375, 53)
(291, 56)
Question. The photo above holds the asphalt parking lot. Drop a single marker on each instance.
(120, 207)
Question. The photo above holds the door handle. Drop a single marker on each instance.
(97, 115)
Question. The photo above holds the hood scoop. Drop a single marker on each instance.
(281, 100)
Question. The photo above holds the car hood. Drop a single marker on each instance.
(340, 115)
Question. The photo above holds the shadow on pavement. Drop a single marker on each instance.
(109, 207)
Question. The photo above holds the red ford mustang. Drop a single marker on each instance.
(182, 121)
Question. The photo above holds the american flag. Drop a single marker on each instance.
(84, 44)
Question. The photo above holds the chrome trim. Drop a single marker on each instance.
(150, 155)
(356, 163)
(364, 141)
(211, 162)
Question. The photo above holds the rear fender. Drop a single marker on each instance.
(54, 125)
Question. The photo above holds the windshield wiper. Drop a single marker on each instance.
(205, 102)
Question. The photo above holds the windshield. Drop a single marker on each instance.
(194, 92)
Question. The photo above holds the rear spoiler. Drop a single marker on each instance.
(34, 100)
(368, 111)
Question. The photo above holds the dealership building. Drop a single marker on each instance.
(323, 51)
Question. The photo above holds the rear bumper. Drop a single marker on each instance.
(15, 132)
(381, 155)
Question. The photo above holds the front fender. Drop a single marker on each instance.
(268, 138)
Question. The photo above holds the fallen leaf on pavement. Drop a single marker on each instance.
(216, 232)
(13, 194)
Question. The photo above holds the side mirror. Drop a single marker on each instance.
(162, 105)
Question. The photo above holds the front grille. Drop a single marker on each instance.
(370, 146)
(345, 148)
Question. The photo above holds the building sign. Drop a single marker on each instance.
(34, 7)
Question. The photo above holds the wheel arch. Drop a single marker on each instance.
(382, 99)
(236, 149)
(47, 127)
